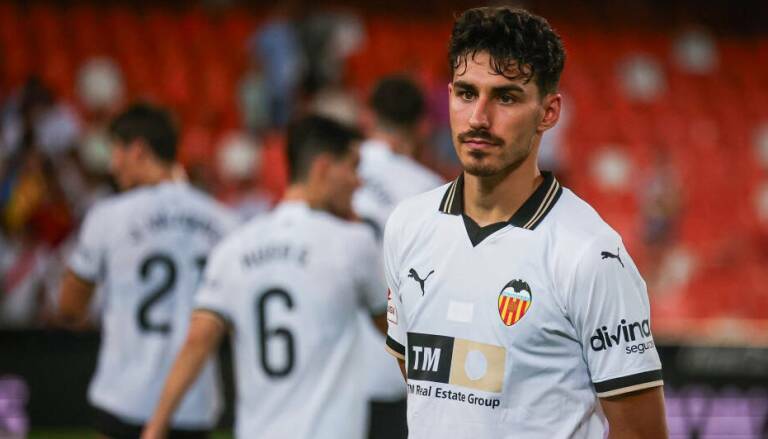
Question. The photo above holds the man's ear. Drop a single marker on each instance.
(138, 149)
(551, 105)
(319, 169)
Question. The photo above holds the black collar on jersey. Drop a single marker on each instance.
(528, 216)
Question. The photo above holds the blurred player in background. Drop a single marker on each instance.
(515, 310)
(389, 173)
(289, 286)
(388, 166)
(146, 248)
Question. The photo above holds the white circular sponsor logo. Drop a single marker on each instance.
(475, 365)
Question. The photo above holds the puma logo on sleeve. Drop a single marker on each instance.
(415, 276)
(606, 255)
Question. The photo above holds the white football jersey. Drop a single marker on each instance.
(513, 330)
(387, 179)
(290, 285)
(147, 249)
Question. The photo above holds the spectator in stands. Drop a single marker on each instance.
(327, 39)
(277, 48)
(661, 209)
(336, 102)
(85, 175)
(239, 165)
(253, 98)
(100, 85)
(34, 112)
(24, 264)
(33, 219)
(36, 198)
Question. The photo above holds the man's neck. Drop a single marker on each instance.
(494, 199)
(300, 192)
(158, 174)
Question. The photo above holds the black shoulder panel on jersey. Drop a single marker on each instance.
(630, 382)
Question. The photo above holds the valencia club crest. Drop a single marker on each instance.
(514, 301)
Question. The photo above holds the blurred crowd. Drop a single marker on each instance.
(54, 151)
(55, 154)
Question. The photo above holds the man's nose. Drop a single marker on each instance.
(480, 118)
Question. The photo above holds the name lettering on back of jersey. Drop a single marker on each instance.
(415, 276)
(163, 221)
(455, 362)
(514, 301)
(606, 255)
(275, 252)
(625, 334)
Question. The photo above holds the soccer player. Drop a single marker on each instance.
(388, 168)
(389, 174)
(145, 248)
(289, 285)
(514, 310)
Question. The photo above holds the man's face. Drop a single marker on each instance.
(495, 121)
(124, 163)
(342, 181)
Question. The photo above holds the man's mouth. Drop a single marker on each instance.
(478, 144)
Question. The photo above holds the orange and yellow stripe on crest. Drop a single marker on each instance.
(511, 310)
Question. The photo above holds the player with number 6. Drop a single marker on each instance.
(288, 286)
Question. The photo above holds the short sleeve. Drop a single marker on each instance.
(372, 213)
(396, 324)
(370, 281)
(88, 260)
(609, 308)
(214, 294)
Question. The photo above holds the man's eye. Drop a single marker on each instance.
(506, 99)
(466, 95)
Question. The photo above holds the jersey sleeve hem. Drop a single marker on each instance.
(396, 349)
(630, 389)
(217, 314)
(80, 274)
(629, 383)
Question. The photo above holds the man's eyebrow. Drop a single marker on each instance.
(512, 88)
(464, 85)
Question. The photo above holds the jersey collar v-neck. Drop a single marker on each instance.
(528, 216)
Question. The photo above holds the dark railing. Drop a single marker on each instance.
(710, 391)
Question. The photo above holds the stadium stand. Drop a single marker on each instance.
(667, 134)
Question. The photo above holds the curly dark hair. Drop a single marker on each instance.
(513, 38)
